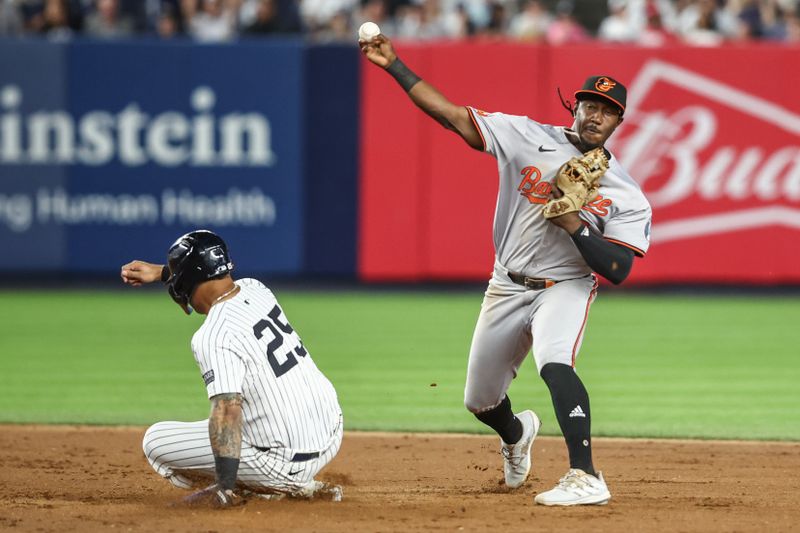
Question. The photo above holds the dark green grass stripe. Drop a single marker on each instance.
(661, 366)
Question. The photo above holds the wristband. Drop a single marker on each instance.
(226, 468)
(164, 274)
(403, 74)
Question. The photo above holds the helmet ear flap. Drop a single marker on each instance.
(176, 283)
(181, 299)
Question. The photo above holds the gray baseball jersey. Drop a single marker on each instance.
(553, 320)
(292, 422)
(528, 156)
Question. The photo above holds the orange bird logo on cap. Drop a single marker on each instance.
(604, 84)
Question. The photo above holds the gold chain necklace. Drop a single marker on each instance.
(224, 295)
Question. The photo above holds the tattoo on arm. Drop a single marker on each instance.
(225, 425)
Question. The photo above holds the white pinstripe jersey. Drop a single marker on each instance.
(246, 345)
(528, 156)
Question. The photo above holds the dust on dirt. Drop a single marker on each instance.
(78, 478)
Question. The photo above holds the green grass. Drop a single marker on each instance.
(660, 366)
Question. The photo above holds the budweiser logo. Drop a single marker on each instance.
(733, 155)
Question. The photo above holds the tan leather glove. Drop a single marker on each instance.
(578, 179)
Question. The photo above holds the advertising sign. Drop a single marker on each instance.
(112, 151)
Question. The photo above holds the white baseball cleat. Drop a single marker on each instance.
(517, 457)
(577, 488)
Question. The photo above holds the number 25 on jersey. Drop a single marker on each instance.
(277, 326)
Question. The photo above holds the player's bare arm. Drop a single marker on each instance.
(138, 273)
(424, 95)
(225, 433)
(225, 425)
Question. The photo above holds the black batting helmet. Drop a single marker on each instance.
(194, 258)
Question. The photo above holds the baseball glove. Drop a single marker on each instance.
(578, 179)
(213, 496)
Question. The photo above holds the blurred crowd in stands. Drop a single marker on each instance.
(641, 22)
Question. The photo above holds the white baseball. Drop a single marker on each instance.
(368, 31)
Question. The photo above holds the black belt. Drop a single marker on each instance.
(298, 457)
(534, 284)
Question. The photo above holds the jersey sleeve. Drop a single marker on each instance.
(222, 369)
(499, 132)
(630, 229)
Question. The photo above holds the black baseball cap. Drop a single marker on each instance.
(605, 87)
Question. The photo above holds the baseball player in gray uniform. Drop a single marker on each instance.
(543, 281)
(275, 419)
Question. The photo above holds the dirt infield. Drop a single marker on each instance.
(96, 479)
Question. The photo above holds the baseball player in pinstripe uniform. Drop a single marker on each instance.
(549, 242)
(275, 419)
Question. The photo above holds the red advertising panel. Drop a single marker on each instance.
(462, 189)
(717, 150)
(712, 135)
(391, 232)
